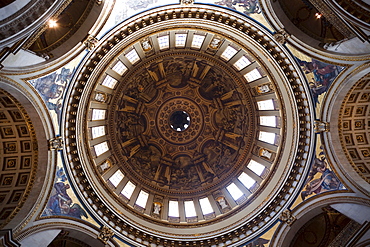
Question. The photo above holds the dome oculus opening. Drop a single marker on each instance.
(179, 120)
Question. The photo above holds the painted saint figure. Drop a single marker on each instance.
(328, 181)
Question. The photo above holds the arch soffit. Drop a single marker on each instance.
(307, 210)
(43, 128)
(331, 113)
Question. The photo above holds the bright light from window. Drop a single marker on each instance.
(128, 189)
(116, 178)
(253, 75)
(205, 205)
(318, 15)
(98, 114)
(173, 208)
(256, 167)
(267, 137)
(197, 41)
(242, 63)
(164, 42)
(234, 191)
(101, 148)
(119, 67)
(268, 121)
(246, 180)
(52, 23)
(142, 199)
(132, 56)
(266, 104)
(109, 82)
(189, 209)
(228, 53)
(98, 131)
(180, 39)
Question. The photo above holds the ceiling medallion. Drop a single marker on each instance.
(177, 121)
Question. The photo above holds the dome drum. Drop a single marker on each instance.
(178, 116)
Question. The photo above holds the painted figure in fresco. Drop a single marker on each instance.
(60, 204)
(327, 181)
(249, 6)
(61, 174)
(259, 242)
(323, 75)
(60, 201)
(51, 88)
(139, 4)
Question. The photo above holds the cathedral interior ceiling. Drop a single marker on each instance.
(183, 119)
(170, 118)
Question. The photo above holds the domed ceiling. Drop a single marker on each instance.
(173, 122)
(184, 120)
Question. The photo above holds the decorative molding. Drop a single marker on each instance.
(56, 143)
(7, 240)
(321, 126)
(346, 234)
(287, 217)
(42, 29)
(281, 36)
(90, 42)
(331, 16)
(186, 2)
(105, 234)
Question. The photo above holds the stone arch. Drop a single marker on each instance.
(334, 139)
(304, 213)
(42, 168)
(48, 230)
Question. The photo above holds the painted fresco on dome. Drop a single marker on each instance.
(250, 8)
(321, 178)
(62, 201)
(259, 242)
(247, 7)
(128, 8)
(320, 76)
(51, 87)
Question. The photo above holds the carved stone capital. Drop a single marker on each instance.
(287, 217)
(105, 234)
(321, 126)
(281, 36)
(56, 143)
(90, 42)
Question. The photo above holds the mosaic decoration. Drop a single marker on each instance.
(259, 242)
(60, 202)
(128, 8)
(320, 76)
(247, 7)
(51, 87)
(321, 178)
